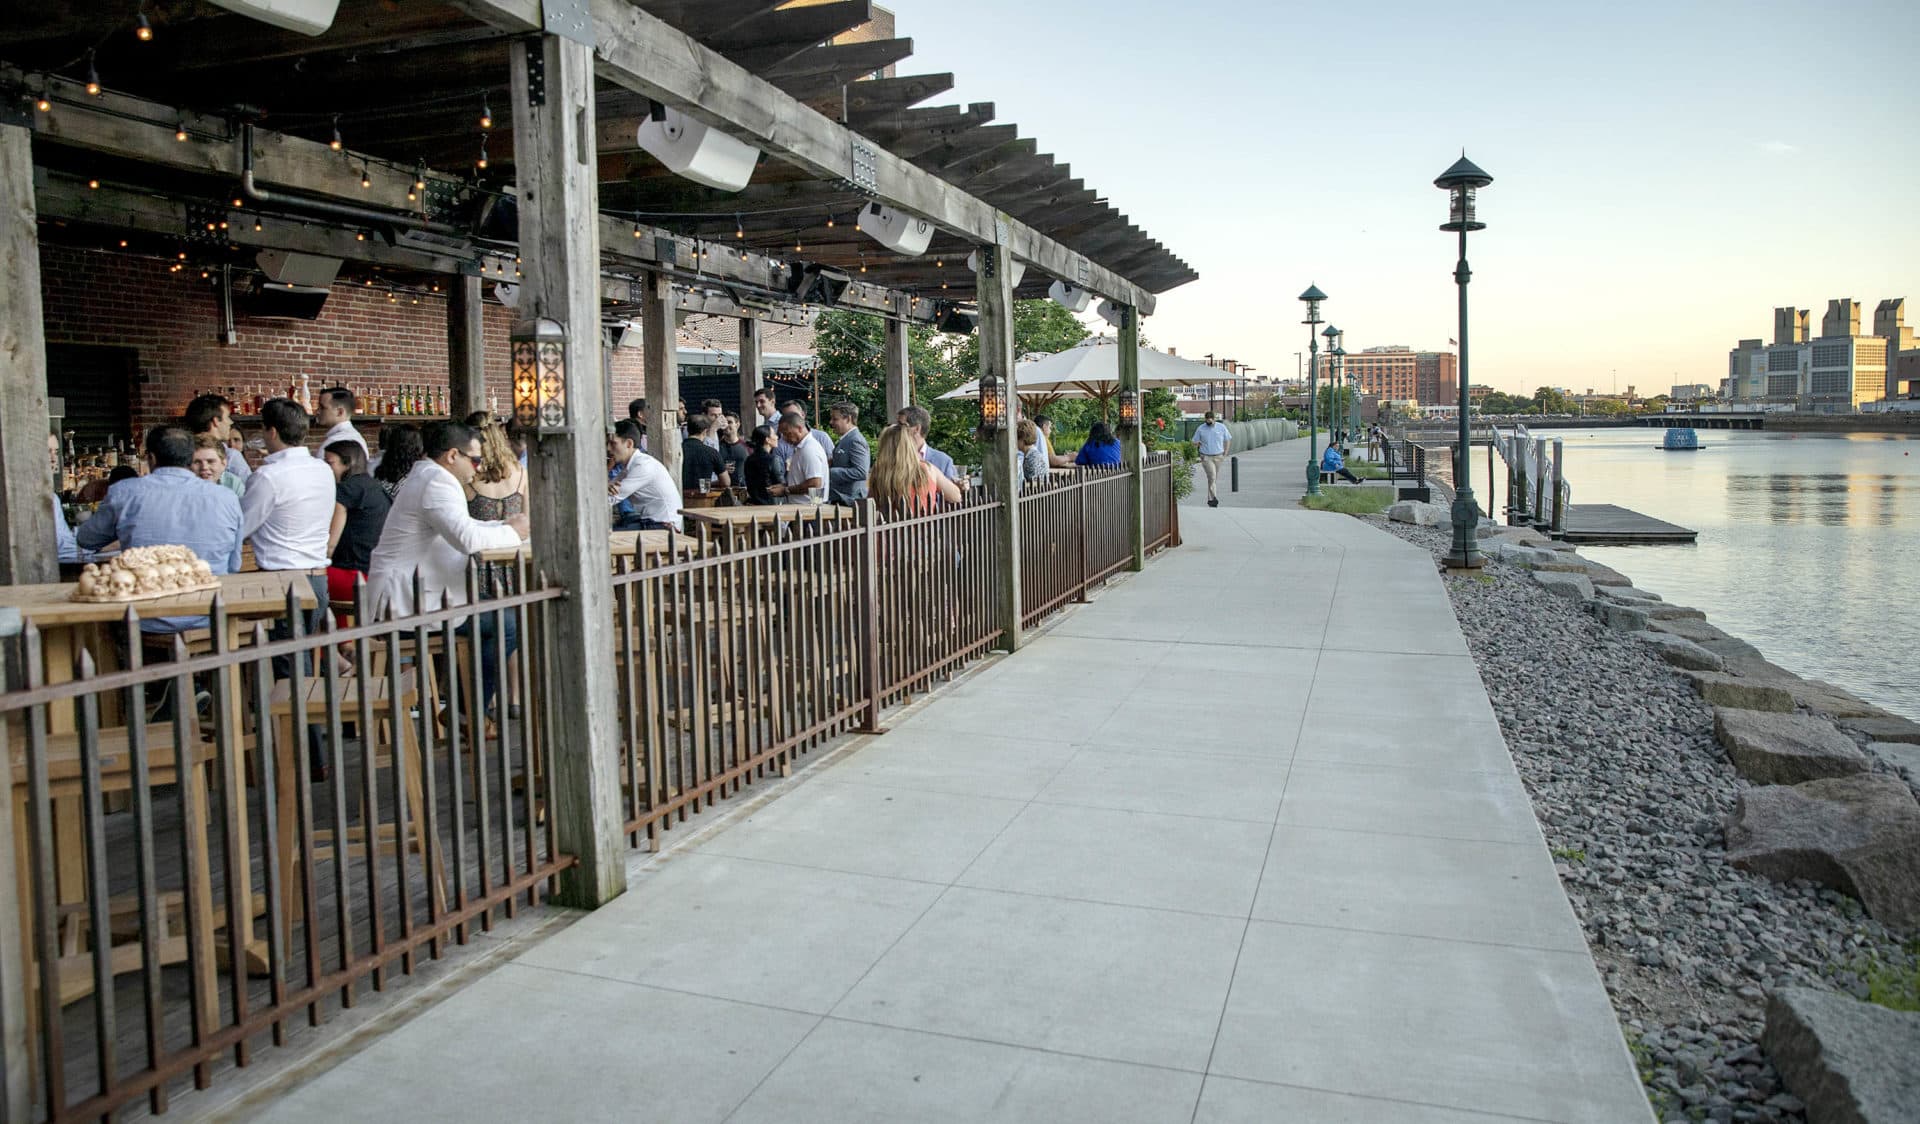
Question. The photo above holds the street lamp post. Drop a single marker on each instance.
(1312, 297)
(1334, 355)
(1461, 182)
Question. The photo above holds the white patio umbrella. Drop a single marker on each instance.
(1091, 369)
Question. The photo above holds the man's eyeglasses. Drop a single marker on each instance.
(477, 461)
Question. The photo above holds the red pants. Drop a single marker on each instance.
(341, 585)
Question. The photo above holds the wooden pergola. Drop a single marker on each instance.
(227, 136)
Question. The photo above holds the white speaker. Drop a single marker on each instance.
(308, 17)
(1070, 297)
(896, 230)
(1110, 312)
(1019, 267)
(508, 293)
(702, 154)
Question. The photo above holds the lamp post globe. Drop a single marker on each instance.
(1462, 182)
(1312, 298)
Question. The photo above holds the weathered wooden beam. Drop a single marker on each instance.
(781, 35)
(872, 98)
(1130, 440)
(825, 59)
(27, 547)
(466, 345)
(751, 340)
(899, 367)
(659, 343)
(703, 19)
(559, 240)
(1001, 472)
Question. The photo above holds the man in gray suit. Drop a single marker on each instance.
(847, 467)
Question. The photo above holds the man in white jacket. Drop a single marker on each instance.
(428, 530)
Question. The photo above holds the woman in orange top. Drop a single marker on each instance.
(901, 480)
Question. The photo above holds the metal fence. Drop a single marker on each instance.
(283, 835)
(212, 844)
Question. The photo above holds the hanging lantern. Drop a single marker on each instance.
(1129, 410)
(993, 405)
(540, 377)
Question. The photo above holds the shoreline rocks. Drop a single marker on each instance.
(1847, 1060)
(1785, 748)
(1858, 834)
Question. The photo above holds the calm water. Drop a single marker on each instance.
(1809, 544)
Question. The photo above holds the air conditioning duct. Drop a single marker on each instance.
(896, 230)
(697, 151)
(1019, 267)
(1070, 297)
(273, 300)
(308, 17)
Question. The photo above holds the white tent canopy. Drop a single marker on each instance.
(1091, 368)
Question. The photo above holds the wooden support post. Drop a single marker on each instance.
(466, 347)
(662, 362)
(899, 370)
(28, 550)
(1002, 469)
(560, 243)
(1130, 442)
(1541, 512)
(1559, 524)
(752, 338)
(16, 1066)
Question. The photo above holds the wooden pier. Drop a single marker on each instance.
(1605, 524)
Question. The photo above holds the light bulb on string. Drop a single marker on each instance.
(44, 104)
(366, 177)
(486, 113)
(336, 143)
(142, 30)
(238, 202)
(93, 75)
(420, 176)
(482, 162)
(829, 222)
(93, 185)
(797, 246)
(256, 226)
(636, 230)
(123, 243)
(738, 230)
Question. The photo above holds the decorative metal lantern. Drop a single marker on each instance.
(1313, 296)
(1460, 182)
(1129, 410)
(993, 405)
(540, 377)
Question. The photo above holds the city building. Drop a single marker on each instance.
(1836, 372)
(1399, 373)
(1690, 392)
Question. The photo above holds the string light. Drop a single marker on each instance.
(738, 230)
(93, 184)
(797, 247)
(359, 236)
(256, 226)
(142, 30)
(366, 176)
(420, 176)
(829, 222)
(336, 143)
(238, 202)
(44, 104)
(93, 75)
(123, 243)
(482, 162)
(636, 230)
(486, 113)
(180, 131)
(183, 255)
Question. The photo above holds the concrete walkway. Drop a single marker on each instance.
(1240, 841)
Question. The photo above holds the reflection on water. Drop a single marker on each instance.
(1809, 543)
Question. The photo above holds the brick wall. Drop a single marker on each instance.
(361, 340)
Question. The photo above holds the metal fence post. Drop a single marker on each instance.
(1080, 502)
(869, 619)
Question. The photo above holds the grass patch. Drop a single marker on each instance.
(1571, 854)
(1349, 500)
(1893, 985)
(1366, 469)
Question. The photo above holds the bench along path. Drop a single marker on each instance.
(1240, 841)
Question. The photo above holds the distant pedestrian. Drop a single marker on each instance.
(1213, 439)
(1332, 461)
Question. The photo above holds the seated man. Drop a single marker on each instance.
(428, 530)
(641, 483)
(169, 506)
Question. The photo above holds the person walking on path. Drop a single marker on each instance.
(1213, 439)
(1332, 461)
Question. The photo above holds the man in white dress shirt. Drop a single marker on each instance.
(646, 497)
(806, 470)
(428, 530)
(336, 413)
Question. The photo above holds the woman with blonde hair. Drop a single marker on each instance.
(901, 479)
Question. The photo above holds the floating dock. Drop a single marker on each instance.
(1604, 524)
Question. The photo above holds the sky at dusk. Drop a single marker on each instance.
(1664, 173)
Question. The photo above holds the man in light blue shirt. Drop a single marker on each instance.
(1213, 439)
(169, 506)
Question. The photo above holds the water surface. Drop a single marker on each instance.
(1809, 543)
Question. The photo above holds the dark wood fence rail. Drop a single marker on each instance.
(191, 881)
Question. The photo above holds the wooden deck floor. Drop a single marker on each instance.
(1609, 525)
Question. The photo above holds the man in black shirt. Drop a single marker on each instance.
(699, 460)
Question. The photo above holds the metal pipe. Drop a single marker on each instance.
(259, 194)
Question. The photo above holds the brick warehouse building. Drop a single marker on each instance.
(1401, 374)
(130, 340)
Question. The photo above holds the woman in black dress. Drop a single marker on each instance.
(762, 473)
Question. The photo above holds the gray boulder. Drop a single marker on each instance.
(1606, 575)
(1889, 729)
(1730, 648)
(1573, 587)
(1785, 748)
(1850, 1061)
(1858, 834)
(1628, 594)
(1679, 651)
(1722, 689)
(1618, 617)
(1517, 555)
(1900, 755)
(1419, 514)
(1698, 631)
